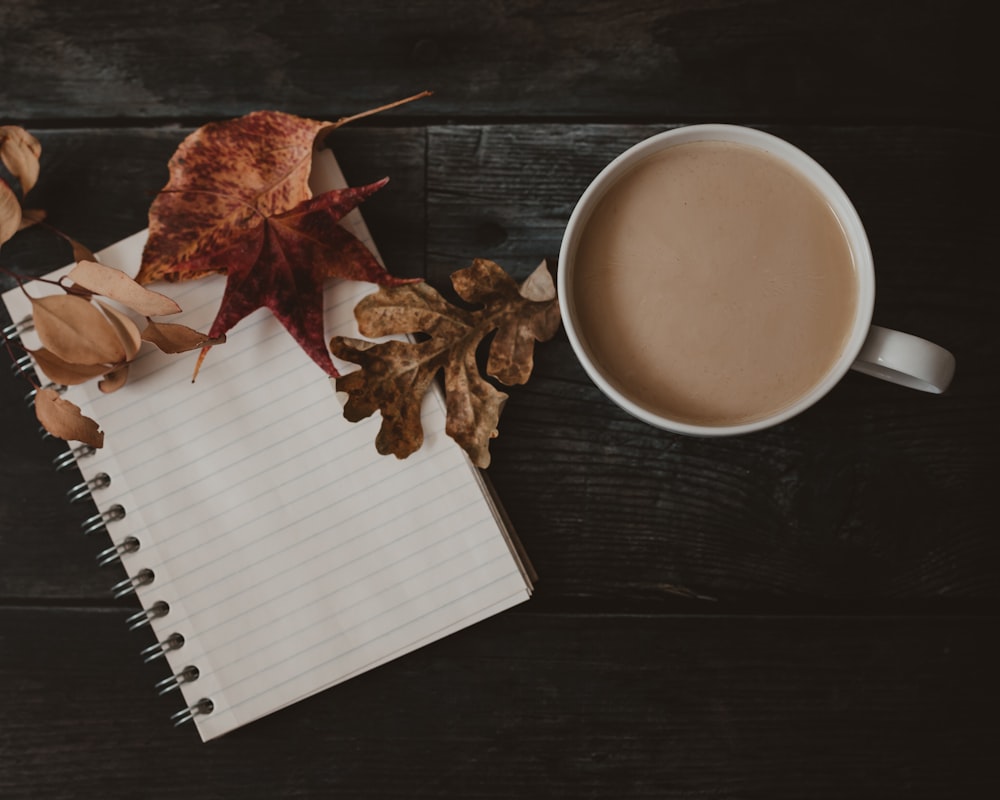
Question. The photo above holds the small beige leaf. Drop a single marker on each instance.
(118, 286)
(172, 337)
(75, 330)
(60, 371)
(127, 330)
(20, 152)
(114, 380)
(538, 286)
(10, 212)
(63, 419)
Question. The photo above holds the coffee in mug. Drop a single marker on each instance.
(714, 279)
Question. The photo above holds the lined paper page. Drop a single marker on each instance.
(292, 555)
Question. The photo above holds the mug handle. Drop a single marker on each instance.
(904, 359)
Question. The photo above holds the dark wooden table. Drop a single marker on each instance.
(810, 611)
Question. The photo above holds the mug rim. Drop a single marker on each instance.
(817, 176)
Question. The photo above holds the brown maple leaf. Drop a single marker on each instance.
(395, 375)
(238, 201)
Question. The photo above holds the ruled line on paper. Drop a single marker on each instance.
(254, 707)
(136, 409)
(219, 515)
(145, 473)
(245, 610)
(351, 661)
(196, 549)
(418, 570)
(403, 623)
(182, 445)
(261, 553)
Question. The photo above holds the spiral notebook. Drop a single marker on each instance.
(273, 551)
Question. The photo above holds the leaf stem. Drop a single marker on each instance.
(218, 193)
(41, 279)
(80, 252)
(379, 110)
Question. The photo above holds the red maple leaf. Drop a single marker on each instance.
(238, 202)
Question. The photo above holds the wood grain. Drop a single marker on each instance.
(805, 612)
(577, 705)
(877, 498)
(735, 59)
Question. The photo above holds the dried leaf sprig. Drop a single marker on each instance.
(82, 336)
(395, 375)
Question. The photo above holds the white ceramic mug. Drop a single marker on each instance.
(888, 354)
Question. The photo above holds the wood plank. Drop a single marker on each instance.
(574, 706)
(747, 60)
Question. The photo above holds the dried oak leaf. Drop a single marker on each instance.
(395, 375)
(238, 201)
(63, 419)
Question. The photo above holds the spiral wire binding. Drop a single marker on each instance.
(130, 544)
(187, 675)
(67, 459)
(110, 555)
(102, 518)
(203, 706)
(174, 641)
(15, 329)
(144, 617)
(144, 577)
(82, 491)
(22, 365)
